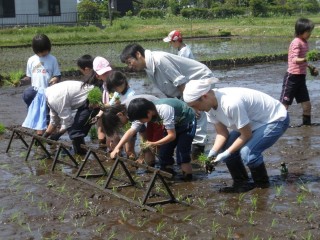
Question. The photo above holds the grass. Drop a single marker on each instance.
(2, 128)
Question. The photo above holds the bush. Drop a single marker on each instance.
(151, 13)
(196, 13)
(227, 11)
(280, 10)
(258, 7)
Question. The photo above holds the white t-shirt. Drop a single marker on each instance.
(185, 52)
(41, 70)
(168, 71)
(238, 107)
(63, 98)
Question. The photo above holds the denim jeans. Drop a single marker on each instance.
(183, 141)
(262, 138)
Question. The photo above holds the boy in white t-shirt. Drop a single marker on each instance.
(256, 121)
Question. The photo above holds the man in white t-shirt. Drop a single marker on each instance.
(256, 121)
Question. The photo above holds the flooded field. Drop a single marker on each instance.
(203, 49)
(39, 204)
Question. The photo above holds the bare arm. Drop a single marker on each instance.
(221, 137)
(169, 138)
(245, 135)
(125, 138)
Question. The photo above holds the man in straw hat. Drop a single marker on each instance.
(256, 121)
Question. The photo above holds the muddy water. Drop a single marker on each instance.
(38, 204)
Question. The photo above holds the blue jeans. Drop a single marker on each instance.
(262, 138)
(183, 141)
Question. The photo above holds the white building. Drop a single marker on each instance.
(37, 12)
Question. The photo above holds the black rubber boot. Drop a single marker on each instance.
(196, 151)
(76, 146)
(260, 176)
(240, 177)
(306, 120)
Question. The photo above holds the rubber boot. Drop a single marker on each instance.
(260, 176)
(239, 175)
(76, 146)
(306, 120)
(196, 151)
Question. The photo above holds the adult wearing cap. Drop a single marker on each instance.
(257, 121)
(176, 41)
(169, 73)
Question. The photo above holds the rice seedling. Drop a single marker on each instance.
(2, 128)
(100, 229)
(251, 220)
(215, 227)
(112, 235)
(279, 190)
(202, 202)
(312, 55)
(308, 237)
(310, 217)
(159, 208)
(95, 96)
(62, 215)
(173, 233)
(201, 220)
(274, 222)
(141, 222)
(93, 133)
(123, 215)
(187, 218)
(160, 226)
(230, 233)
(206, 163)
(241, 197)
(238, 212)
(300, 198)
(254, 201)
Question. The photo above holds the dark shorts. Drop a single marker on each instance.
(294, 87)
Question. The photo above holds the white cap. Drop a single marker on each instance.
(101, 65)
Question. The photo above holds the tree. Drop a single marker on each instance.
(258, 7)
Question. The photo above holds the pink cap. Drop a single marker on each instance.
(101, 65)
(173, 36)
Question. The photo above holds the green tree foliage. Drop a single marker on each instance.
(89, 10)
(158, 4)
(258, 7)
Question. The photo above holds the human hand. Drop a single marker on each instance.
(313, 70)
(222, 156)
(114, 153)
(94, 120)
(56, 136)
(212, 153)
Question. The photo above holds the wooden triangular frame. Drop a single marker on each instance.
(151, 186)
(104, 171)
(57, 160)
(117, 163)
